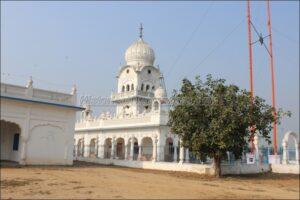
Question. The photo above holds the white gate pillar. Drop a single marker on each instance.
(297, 153)
(257, 150)
(284, 153)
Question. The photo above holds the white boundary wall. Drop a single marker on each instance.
(183, 167)
(285, 169)
(167, 166)
(239, 168)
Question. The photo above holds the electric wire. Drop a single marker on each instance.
(218, 45)
(190, 38)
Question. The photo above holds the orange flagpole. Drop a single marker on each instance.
(250, 71)
(273, 79)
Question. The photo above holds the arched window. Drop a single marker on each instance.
(132, 87)
(147, 87)
(142, 87)
(153, 88)
(127, 88)
(123, 88)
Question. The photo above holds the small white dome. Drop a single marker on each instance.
(160, 93)
(139, 53)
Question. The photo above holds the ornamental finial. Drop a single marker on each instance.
(141, 31)
(30, 82)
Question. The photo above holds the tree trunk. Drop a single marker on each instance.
(217, 166)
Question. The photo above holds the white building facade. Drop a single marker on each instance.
(37, 126)
(138, 129)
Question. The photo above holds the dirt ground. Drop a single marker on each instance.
(91, 181)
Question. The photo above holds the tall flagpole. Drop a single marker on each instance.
(251, 74)
(273, 79)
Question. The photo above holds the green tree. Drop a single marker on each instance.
(212, 118)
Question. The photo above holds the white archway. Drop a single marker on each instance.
(169, 150)
(120, 148)
(93, 149)
(10, 141)
(107, 147)
(147, 148)
(285, 159)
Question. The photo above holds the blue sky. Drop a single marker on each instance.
(62, 43)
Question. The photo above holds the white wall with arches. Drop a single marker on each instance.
(36, 130)
(154, 143)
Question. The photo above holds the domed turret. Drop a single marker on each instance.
(160, 93)
(140, 53)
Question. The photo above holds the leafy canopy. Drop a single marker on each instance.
(212, 118)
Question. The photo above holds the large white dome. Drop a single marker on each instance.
(139, 54)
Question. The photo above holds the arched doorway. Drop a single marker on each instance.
(147, 148)
(107, 148)
(169, 150)
(93, 149)
(80, 148)
(135, 148)
(290, 155)
(120, 148)
(10, 141)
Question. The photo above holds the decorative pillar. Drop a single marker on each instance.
(187, 155)
(126, 153)
(160, 152)
(97, 147)
(284, 153)
(175, 154)
(257, 150)
(112, 156)
(140, 152)
(181, 153)
(23, 152)
(86, 150)
(132, 148)
(154, 153)
(100, 149)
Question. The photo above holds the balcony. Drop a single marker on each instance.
(131, 94)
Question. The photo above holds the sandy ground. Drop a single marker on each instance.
(92, 181)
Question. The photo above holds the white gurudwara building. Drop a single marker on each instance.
(138, 129)
(37, 126)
